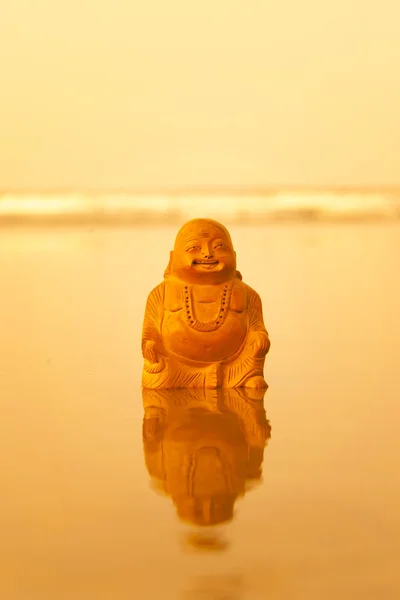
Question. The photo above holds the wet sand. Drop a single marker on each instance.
(79, 518)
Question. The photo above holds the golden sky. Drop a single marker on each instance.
(105, 94)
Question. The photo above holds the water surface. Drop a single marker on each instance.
(82, 515)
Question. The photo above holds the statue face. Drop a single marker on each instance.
(203, 253)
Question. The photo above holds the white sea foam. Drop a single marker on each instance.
(230, 207)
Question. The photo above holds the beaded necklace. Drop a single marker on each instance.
(210, 325)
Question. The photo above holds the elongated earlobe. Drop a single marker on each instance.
(167, 271)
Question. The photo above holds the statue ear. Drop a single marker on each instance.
(238, 274)
(168, 269)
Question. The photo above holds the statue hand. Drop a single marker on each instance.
(259, 344)
(153, 362)
(150, 351)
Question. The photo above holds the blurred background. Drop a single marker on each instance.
(118, 122)
(131, 107)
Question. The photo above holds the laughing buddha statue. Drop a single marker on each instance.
(203, 327)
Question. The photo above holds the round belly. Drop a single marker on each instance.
(204, 346)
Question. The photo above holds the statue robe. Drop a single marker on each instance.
(186, 356)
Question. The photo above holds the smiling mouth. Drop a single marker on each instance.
(206, 263)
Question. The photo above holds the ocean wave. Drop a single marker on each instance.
(233, 208)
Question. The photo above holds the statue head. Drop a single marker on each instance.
(203, 253)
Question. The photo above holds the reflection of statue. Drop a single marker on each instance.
(204, 447)
(203, 326)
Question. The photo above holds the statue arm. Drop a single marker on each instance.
(258, 335)
(151, 333)
(256, 320)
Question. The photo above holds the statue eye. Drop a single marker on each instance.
(219, 246)
(191, 248)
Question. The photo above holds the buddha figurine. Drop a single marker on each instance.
(203, 327)
(204, 448)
